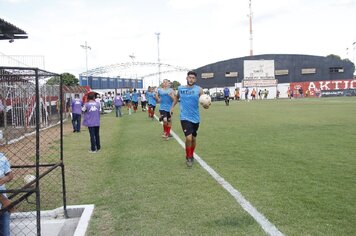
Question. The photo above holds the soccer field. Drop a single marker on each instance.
(293, 160)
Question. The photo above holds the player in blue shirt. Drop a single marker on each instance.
(227, 96)
(134, 100)
(189, 114)
(151, 102)
(165, 96)
(127, 100)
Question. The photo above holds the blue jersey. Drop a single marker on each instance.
(189, 103)
(166, 100)
(135, 97)
(151, 98)
(148, 94)
(127, 96)
(226, 92)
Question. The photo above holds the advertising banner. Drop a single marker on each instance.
(324, 88)
(259, 83)
(258, 69)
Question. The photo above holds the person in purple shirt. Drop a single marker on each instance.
(76, 113)
(91, 120)
(118, 102)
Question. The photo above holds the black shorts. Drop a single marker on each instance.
(152, 106)
(135, 104)
(189, 128)
(164, 114)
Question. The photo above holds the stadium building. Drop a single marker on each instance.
(316, 75)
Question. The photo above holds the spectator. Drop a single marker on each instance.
(6, 176)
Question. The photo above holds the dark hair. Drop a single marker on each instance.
(91, 96)
(76, 95)
(192, 73)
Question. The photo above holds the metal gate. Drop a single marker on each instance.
(31, 137)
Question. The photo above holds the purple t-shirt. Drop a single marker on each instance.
(77, 106)
(91, 114)
(118, 100)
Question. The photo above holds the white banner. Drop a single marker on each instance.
(260, 83)
(258, 69)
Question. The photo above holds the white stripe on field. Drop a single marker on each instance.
(267, 226)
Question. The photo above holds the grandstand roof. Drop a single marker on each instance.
(10, 32)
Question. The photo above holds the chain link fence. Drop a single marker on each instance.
(31, 137)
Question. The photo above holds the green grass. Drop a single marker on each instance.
(292, 159)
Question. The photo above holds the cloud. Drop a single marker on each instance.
(14, 1)
(189, 4)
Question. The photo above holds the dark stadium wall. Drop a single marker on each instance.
(220, 73)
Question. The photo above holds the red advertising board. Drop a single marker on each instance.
(315, 88)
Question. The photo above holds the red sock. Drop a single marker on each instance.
(168, 130)
(164, 128)
(189, 152)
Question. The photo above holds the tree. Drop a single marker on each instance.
(175, 85)
(68, 79)
(334, 56)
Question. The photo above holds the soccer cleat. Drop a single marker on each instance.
(90, 151)
(164, 135)
(189, 162)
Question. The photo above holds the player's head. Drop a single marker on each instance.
(76, 95)
(91, 96)
(165, 83)
(191, 78)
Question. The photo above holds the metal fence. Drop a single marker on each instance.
(31, 137)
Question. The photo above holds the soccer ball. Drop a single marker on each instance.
(205, 100)
(29, 178)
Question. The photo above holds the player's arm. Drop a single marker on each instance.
(4, 200)
(157, 97)
(176, 100)
(201, 92)
(7, 178)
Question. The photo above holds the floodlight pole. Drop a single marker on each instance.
(353, 52)
(251, 35)
(159, 61)
(86, 47)
(132, 56)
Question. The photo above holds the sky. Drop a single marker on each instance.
(193, 33)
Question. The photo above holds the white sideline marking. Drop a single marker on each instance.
(267, 226)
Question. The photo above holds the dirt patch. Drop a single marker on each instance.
(23, 151)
